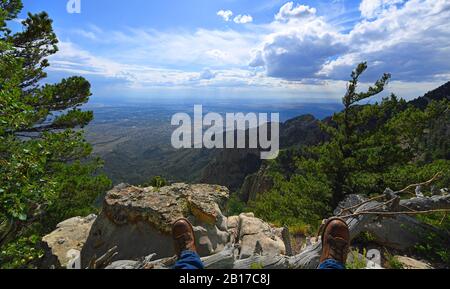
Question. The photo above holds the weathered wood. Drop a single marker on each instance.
(424, 204)
(104, 261)
(399, 232)
(223, 260)
(308, 259)
(286, 237)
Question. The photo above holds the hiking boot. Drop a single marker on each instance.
(183, 236)
(335, 240)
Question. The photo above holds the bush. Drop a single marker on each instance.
(21, 253)
(235, 206)
(392, 262)
(434, 247)
(300, 200)
(156, 182)
(358, 261)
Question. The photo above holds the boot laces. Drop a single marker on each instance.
(183, 241)
(338, 248)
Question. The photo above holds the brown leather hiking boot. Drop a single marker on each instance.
(335, 240)
(183, 236)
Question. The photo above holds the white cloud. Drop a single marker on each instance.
(243, 19)
(412, 41)
(72, 59)
(206, 74)
(225, 14)
(299, 47)
(372, 8)
(87, 34)
(181, 48)
(239, 19)
(288, 11)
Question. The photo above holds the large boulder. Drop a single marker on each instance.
(250, 238)
(66, 242)
(254, 236)
(138, 221)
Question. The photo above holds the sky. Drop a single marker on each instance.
(139, 49)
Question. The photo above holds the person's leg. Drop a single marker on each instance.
(184, 244)
(331, 264)
(189, 261)
(335, 244)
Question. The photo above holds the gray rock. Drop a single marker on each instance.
(233, 222)
(69, 236)
(257, 235)
(138, 221)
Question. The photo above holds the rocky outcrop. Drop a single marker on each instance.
(138, 220)
(255, 184)
(65, 243)
(249, 237)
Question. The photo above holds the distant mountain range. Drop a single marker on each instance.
(442, 92)
(231, 168)
(135, 144)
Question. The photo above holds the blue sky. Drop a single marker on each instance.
(249, 48)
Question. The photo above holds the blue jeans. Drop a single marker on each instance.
(331, 265)
(189, 261)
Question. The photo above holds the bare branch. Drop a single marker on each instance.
(437, 176)
(396, 213)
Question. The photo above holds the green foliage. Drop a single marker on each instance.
(390, 144)
(77, 190)
(21, 253)
(300, 229)
(9, 9)
(157, 182)
(357, 261)
(45, 174)
(235, 206)
(301, 199)
(392, 262)
(365, 238)
(435, 247)
(256, 266)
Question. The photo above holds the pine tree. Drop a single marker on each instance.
(388, 144)
(45, 175)
(346, 134)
